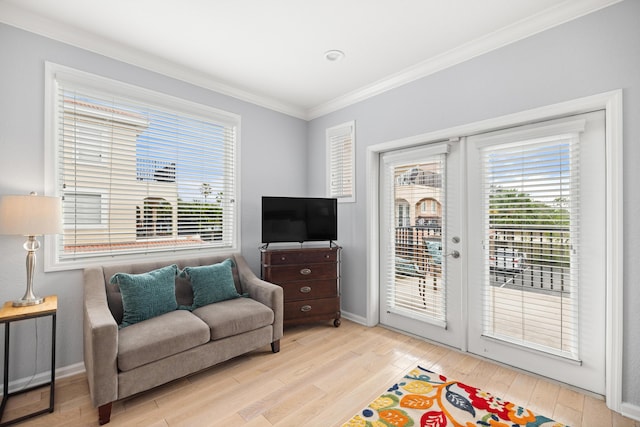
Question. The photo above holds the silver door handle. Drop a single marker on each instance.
(453, 254)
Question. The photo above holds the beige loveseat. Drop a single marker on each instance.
(124, 361)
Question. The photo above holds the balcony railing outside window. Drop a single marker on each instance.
(543, 263)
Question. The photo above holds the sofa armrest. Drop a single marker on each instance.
(100, 335)
(264, 292)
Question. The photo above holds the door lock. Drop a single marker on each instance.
(453, 254)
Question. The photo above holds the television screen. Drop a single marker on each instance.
(299, 219)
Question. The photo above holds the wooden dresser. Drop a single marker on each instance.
(310, 279)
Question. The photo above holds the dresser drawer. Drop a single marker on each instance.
(310, 280)
(287, 273)
(308, 309)
(309, 289)
(300, 257)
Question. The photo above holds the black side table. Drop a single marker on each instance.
(9, 314)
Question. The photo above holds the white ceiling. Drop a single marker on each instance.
(271, 52)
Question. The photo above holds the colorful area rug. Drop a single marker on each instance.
(425, 399)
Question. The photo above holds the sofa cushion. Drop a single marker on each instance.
(184, 293)
(146, 295)
(235, 316)
(211, 283)
(159, 337)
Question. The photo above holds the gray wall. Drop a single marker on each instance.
(594, 54)
(267, 138)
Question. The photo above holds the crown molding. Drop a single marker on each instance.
(557, 15)
(34, 23)
(561, 13)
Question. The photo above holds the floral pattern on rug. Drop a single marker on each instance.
(426, 399)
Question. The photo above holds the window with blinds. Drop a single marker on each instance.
(341, 161)
(139, 172)
(531, 235)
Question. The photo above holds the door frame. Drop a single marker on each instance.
(611, 102)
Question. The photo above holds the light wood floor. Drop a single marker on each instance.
(321, 377)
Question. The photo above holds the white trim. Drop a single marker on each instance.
(560, 14)
(615, 249)
(20, 18)
(464, 244)
(70, 370)
(630, 411)
(525, 133)
(612, 103)
(372, 220)
(45, 377)
(354, 318)
(55, 72)
(400, 156)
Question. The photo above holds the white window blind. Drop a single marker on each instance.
(531, 240)
(416, 273)
(341, 162)
(140, 172)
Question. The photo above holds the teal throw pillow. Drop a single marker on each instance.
(211, 283)
(146, 295)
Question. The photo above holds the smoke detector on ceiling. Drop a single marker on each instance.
(334, 55)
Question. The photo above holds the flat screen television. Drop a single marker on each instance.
(299, 219)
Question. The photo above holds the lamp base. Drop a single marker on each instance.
(25, 302)
(31, 246)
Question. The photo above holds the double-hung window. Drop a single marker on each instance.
(139, 172)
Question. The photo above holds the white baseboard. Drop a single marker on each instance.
(44, 377)
(354, 318)
(630, 411)
(67, 371)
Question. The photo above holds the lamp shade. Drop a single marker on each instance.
(30, 215)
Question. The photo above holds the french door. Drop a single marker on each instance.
(420, 243)
(518, 217)
(537, 248)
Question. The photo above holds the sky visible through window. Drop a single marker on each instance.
(191, 151)
(173, 148)
(542, 172)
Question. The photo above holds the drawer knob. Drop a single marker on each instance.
(305, 308)
(305, 289)
(305, 271)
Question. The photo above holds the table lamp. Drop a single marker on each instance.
(30, 216)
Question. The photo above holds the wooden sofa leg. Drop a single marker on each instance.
(104, 413)
(275, 346)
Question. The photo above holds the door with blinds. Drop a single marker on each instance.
(536, 262)
(420, 289)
